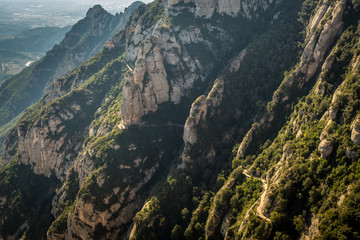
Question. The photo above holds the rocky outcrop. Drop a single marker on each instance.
(125, 202)
(204, 8)
(45, 153)
(316, 49)
(143, 93)
(204, 105)
(149, 84)
(355, 132)
(198, 114)
(325, 148)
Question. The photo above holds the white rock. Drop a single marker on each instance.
(325, 148)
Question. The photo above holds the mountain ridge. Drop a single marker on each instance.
(57, 62)
(267, 94)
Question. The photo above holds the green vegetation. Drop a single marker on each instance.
(70, 189)
(155, 13)
(39, 40)
(26, 88)
(25, 197)
(302, 174)
(311, 186)
(5, 129)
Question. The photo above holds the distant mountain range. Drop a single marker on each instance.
(17, 52)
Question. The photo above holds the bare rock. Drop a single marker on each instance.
(148, 85)
(198, 113)
(205, 8)
(325, 148)
(355, 132)
(316, 49)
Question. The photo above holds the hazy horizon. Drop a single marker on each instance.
(112, 6)
(36, 13)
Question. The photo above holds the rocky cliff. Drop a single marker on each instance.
(213, 120)
(207, 9)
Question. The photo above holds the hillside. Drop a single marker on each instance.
(39, 39)
(199, 120)
(18, 52)
(83, 41)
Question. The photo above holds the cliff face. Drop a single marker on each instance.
(198, 114)
(131, 157)
(207, 9)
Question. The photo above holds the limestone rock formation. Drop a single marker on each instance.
(46, 154)
(198, 114)
(325, 148)
(315, 50)
(143, 94)
(355, 132)
(207, 9)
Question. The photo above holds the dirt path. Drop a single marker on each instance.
(260, 209)
(261, 201)
(128, 66)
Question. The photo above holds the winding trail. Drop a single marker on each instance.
(261, 201)
(260, 209)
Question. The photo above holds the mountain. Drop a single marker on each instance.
(21, 50)
(35, 40)
(199, 120)
(83, 40)
(8, 28)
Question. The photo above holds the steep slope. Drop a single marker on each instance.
(309, 172)
(39, 39)
(83, 41)
(169, 59)
(297, 184)
(140, 137)
(311, 167)
(17, 52)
